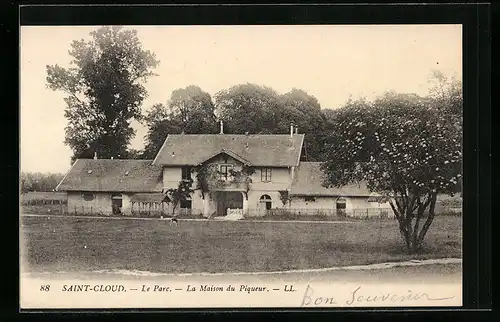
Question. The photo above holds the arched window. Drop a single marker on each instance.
(267, 200)
(341, 203)
(341, 206)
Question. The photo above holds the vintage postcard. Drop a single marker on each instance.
(241, 166)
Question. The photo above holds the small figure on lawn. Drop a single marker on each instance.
(173, 220)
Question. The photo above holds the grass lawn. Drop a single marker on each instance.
(86, 244)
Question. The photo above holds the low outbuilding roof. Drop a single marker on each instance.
(308, 181)
(107, 175)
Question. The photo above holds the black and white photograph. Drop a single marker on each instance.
(206, 166)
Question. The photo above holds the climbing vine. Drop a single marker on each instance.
(181, 193)
(208, 177)
(243, 177)
(284, 196)
(202, 180)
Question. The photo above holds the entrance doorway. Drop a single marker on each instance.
(341, 207)
(228, 199)
(265, 204)
(116, 203)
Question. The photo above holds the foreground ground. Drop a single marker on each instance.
(422, 274)
(50, 244)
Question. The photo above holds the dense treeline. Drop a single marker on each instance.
(105, 89)
(257, 109)
(244, 108)
(39, 181)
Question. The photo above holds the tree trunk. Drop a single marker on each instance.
(430, 219)
(401, 221)
(410, 231)
(418, 236)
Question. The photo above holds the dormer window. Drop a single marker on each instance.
(225, 171)
(186, 173)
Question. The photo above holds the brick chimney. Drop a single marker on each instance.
(95, 155)
(221, 127)
(291, 129)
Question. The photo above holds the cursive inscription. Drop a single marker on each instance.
(310, 299)
(359, 297)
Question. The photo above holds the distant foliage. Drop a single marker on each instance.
(104, 88)
(39, 181)
(405, 149)
(446, 93)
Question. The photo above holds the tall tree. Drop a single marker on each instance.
(105, 89)
(189, 110)
(159, 125)
(193, 110)
(446, 93)
(446, 96)
(304, 111)
(249, 108)
(402, 147)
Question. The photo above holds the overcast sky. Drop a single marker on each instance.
(329, 62)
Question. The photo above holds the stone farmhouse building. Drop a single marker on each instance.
(255, 174)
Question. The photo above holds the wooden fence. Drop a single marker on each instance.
(365, 213)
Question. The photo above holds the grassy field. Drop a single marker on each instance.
(85, 244)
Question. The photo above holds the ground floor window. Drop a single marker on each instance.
(116, 203)
(266, 199)
(186, 204)
(88, 196)
(309, 198)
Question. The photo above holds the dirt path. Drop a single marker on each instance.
(444, 271)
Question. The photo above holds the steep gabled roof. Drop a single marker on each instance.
(231, 154)
(276, 150)
(108, 175)
(308, 182)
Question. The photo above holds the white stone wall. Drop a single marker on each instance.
(355, 206)
(100, 204)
